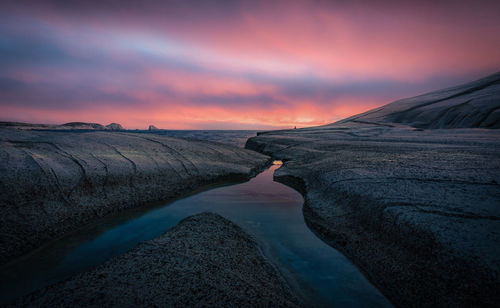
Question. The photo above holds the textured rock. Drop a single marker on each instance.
(417, 210)
(472, 105)
(54, 181)
(205, 260)
(114, 126)
(152, 127)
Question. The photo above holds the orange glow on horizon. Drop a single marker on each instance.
(182, 117)
(248, 64)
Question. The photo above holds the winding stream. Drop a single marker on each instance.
(270, 211)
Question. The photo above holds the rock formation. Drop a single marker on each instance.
(152, 127)
(51, 183)
(114, 126)
(472, 105)
(418, 210)
(81, 125)
(66, 126)
(204, 261)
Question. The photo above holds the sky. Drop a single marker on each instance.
(234, 64)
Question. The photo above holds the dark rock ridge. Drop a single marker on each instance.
(204, 261)
(24, 125)
(81, 125)
(417, 210)
(152, 127)
(66, 126)
(472, 105)
(51, 183)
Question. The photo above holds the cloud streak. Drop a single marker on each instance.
(247, 64)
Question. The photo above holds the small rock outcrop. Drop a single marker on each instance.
(114, 126)
(152, 127)
(206, 260)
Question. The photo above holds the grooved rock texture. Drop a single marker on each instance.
(52, 182)
(417, 210)
(476, 104)
(205, 260)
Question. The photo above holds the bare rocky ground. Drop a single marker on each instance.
(205, 260)
(417, 209)
(52, 182)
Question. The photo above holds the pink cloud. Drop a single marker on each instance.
(251, 63)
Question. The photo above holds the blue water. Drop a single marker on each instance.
(269, 211)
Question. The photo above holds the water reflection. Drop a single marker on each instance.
(268, 210)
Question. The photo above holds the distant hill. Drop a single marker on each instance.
(65, 126)
(82, 125)
(472, 105)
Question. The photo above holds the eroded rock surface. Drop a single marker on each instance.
(205, 260)
(417, 210)
(53, 182)
(471, 105)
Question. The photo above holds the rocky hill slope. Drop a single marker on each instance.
(418, 210)
(472, 105)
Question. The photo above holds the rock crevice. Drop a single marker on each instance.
(53, 182)
(417, 210)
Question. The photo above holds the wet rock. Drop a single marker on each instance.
(205, 260)
(417, 210)
(52, 182)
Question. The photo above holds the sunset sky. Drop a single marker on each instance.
(234, 64)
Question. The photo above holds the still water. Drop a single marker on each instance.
(271, 212)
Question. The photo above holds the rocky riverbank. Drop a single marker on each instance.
(205, 260)
(417, 209)
(52, 182)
